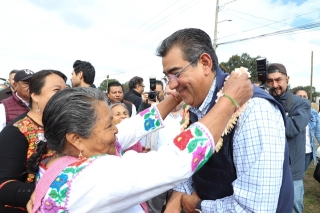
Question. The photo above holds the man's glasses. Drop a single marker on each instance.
(175, 77)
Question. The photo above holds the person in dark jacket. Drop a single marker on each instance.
(250, 173)
(18, 103)
(6, 93)
(297, 118)
(136, 88)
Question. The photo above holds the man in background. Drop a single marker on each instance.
(83, 74)
(115, 95)
(6, 93)
(18, 103)
(147, 103)
(297, 117)
(136, 88)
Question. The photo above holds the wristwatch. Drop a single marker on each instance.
(198, 207)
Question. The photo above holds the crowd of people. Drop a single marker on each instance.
(204, 144)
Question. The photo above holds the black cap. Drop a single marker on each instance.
(23, 75)
(275, 67)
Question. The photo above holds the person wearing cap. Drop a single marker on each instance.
(297, 117)
(6, 93)
(18, 103)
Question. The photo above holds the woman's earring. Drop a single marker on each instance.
(80, 155)
(37, 108)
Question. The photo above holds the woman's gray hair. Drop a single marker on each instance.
(117, 104)
(70, 110)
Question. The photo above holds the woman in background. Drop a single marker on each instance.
(22, 144)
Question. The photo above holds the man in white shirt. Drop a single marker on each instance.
(18, 103)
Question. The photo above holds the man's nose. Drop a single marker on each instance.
(173, 84)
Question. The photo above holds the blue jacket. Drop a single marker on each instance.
(297, 119)
(314, 127)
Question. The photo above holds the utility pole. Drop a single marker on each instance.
(107, 82)
(311, 77)
(215, 26)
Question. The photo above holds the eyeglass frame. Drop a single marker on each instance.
(176, 76)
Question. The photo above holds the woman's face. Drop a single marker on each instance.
(119, 113)
(52, 84)
(103, 137)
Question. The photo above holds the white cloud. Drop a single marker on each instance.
(120, 37)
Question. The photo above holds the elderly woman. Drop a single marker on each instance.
(87, 176)
(21, 145)
(120, 112)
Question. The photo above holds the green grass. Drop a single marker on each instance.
(311, 192)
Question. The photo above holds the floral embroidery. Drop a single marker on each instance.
(198, 156)
(151, 119)
(49, 206)
(31, 130)
(182, 140)
(56, 197)
(59, 181)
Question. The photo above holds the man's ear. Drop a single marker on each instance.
(206, 62)
(14, 85)
(288, 77)
(80, 75)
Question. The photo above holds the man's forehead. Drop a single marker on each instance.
(275, 75)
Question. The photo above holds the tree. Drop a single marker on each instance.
(307, 88)
(104, 84)
(241, 61)
(125, 87)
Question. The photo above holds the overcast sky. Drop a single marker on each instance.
(120, 37)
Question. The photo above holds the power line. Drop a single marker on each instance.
(149, 20)
(275, 22)
(281, 32)
(150, 29)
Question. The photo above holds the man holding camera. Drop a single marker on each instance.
(297, 117)
(154, 96)
(250, 173)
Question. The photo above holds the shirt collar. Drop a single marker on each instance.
(206, 103)
(23, 101)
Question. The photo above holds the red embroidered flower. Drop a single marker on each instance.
(182, 140)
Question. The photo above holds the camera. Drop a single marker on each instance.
(262, 66)
(152, 95)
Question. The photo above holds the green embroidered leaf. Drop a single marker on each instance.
(69, 170)
(198, 132)
(146, 116)
(192, 145)
(157, 123)
(153, 111)
(78, 169)
(208, 155)
(53, 194)
(63, 193)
